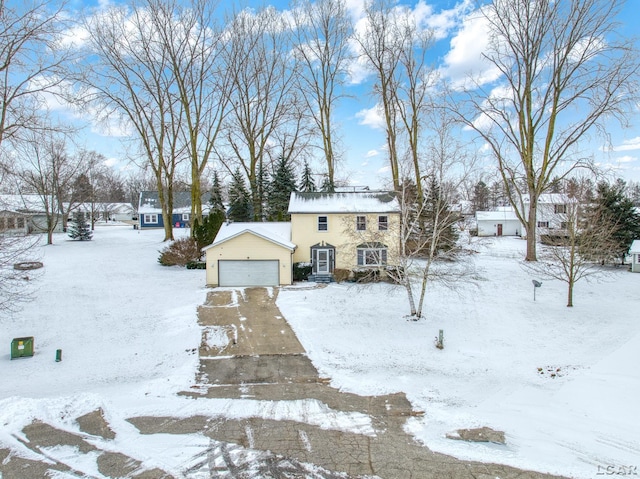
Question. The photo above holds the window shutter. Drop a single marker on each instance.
(360, 257)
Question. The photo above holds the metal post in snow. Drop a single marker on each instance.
(536, 284)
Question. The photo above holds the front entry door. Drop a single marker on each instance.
(499, 229)
(323, 265)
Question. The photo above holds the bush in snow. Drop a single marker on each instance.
(180, 252)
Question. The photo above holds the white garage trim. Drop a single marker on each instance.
(248, 272)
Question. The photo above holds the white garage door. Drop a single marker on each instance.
(248, 273)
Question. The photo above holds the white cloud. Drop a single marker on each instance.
(372, 154)
(371, 117)
(626, 159)
(464, 61)
(111, 162)
(443, 22)
(628, 145)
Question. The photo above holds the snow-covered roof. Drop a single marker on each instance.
(276, 232)
(635, 247)
(124, 208)
(344, 202)
(150, 203)
(504, 215)
(22, 203)
(551, 199)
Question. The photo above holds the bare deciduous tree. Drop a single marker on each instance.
(569, 257)
(322, 31)
(381, 45)
(14, 283)
(563, 73)
(194, 46)
(48, 171)
(264, 106)
(33, 63)
(131, 78)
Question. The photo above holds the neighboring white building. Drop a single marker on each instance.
(25, 214)
(107, 211)
(498, 223)
(552, 212)
(634, 251)
(551, 217)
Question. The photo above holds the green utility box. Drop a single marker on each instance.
(22, 347)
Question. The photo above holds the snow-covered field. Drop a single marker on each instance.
(562, 383)
(127, 328)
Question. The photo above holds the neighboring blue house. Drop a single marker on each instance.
(150, 213)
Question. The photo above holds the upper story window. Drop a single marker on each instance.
(383, 223)
(185, 216)
(560, 209)
(150, 218)
(323, 223)
(543, 224)
(361, 223)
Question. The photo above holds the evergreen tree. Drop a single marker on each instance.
(481, 193)
(216, 201)
(438, 218)
(240, 205)
(80, 229)
(613, 208)
(555, 186)
(307, 185)
(327, 186)
(283, 183)
(205, 233)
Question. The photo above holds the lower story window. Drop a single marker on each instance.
(151, 218)
(372, 255)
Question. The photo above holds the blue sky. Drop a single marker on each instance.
(457, 46)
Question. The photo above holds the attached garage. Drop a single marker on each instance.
(250, 254)
(248, 273)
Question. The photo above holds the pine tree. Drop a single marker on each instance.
(307, 185)
(481, 193)
(80, 229)
(240, 206)
(216, 201)
(282, 184)
(614, 208)
(327, 186)
(438, 218)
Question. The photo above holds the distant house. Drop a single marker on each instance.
(150, 212)
(553, 213)
(25, 214)
(634, 251)
(107, 211)
(342, 230)
(503, 222)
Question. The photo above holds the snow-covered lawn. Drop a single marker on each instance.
(563, 383)
(128, 328)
